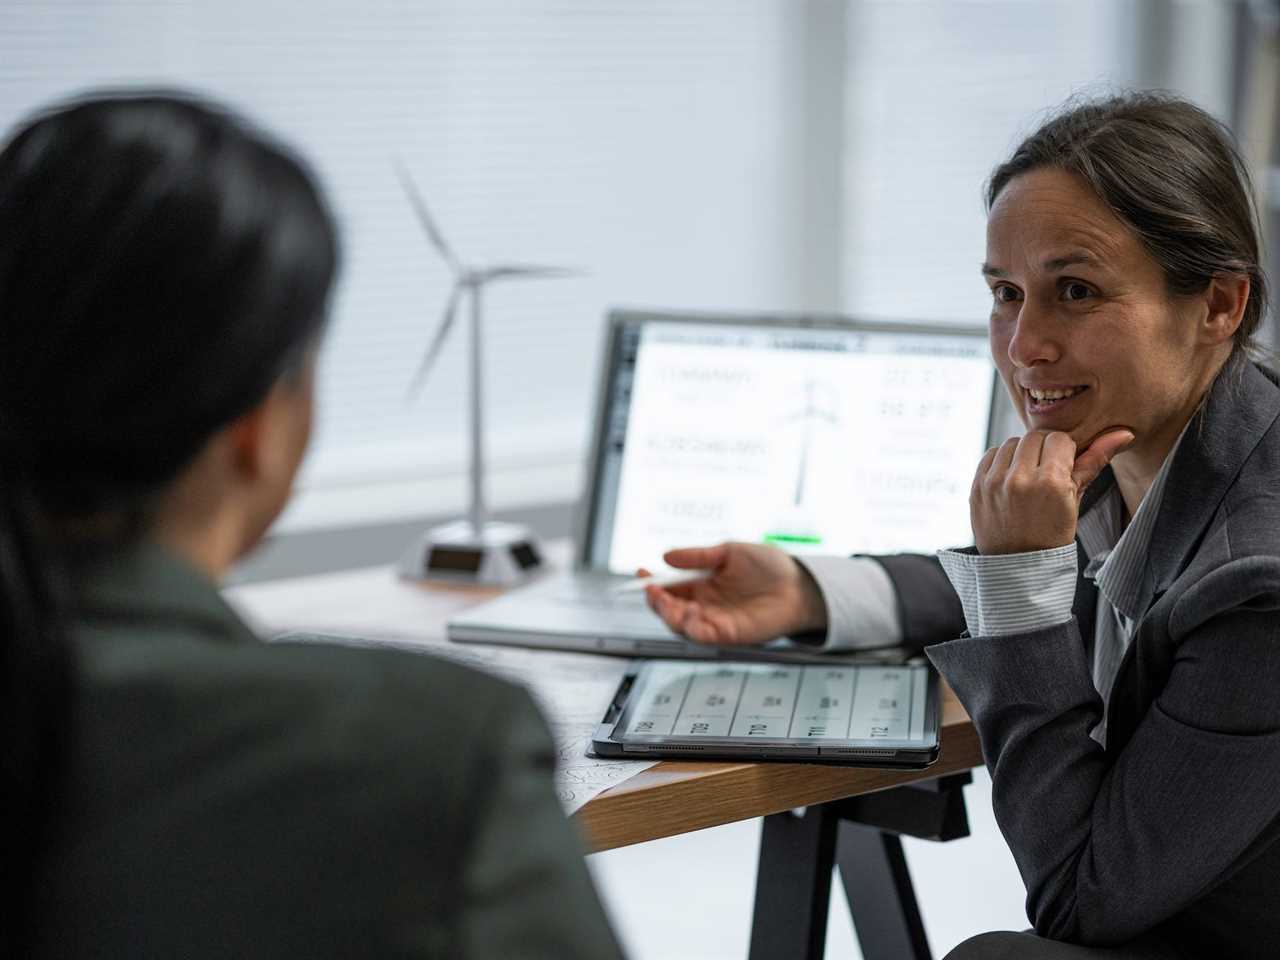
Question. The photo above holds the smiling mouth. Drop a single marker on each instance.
(1044, 401)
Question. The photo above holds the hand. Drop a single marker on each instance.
(1026, 494)
(756, 593)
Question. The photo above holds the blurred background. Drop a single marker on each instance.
(751, 155)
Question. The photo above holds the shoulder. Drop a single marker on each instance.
(1244, 537)
(1237, 562)
(195, 663)
(378, 679)
(1237, 565)
(362, 778)
(407, 721)
(1259, 469)
(1245, 531)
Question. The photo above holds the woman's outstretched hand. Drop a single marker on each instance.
(1026, 493)
(754, 594)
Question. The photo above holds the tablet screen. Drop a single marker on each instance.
(801, 704)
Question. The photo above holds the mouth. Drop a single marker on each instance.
(1044, 400)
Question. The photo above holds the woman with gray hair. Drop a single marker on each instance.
(1114, 632)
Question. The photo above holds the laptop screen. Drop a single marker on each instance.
(819, 437)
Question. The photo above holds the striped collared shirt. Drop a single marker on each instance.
(1022, 592)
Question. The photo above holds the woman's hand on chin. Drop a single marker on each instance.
(1026, 493)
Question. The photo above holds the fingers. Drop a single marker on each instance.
(686, 617)
(1004, 456)
(1024, 500)
(671, 609)
(1026, 455)
(988, 458)
(658, 601)
(1097, 455)
(696, 627)
(980, 475)
(685, 590)
(697, 558)
(1059, 452)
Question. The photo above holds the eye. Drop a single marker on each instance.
(1075, 290)
(1004, 293)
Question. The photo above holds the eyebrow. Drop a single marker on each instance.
(1050, 266)
(1071, 259)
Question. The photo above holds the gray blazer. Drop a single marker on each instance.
(230, 798)
(1174, 828)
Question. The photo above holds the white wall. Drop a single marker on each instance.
(938, 94)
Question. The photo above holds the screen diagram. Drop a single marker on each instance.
(818, 441)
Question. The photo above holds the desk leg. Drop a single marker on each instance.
(861, 836)
(793, 886)
(882, 900)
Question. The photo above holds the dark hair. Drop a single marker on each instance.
(162, 265)
(1171, 172)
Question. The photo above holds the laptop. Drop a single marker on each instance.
(821, 436)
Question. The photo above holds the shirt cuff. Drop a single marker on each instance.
(1014, 592)
(862, 606)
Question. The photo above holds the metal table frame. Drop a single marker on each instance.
(862, 837)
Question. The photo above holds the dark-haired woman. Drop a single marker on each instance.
(1115, 634)
(174, 787)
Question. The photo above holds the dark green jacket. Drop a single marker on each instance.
(230, 798)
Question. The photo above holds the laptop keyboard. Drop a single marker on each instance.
(600, 597)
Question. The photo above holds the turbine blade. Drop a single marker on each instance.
(424, 218)
(530, 271)
(442, 332)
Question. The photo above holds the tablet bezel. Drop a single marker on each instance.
(914, 754)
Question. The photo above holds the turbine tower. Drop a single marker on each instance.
(475, 549)
(797, 525)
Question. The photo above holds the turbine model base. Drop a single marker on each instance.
(503, 554)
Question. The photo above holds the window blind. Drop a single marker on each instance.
(651, 145)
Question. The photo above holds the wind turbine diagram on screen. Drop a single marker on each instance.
(475, 549)
(797, 527)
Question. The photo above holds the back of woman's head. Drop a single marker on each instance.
(162, 265)
(1171, 172)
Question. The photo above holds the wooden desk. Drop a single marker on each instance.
(677, 797)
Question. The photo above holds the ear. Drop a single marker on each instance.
(268, 442)
(1226, 298)
(248, 439)
(265, 440)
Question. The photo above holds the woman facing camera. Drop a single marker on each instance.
(1115, 633)
(175, 787)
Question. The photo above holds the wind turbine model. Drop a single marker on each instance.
(475, 549)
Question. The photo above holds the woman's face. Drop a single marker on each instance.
(1083, 330)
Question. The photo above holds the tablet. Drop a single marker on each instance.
(855, 714)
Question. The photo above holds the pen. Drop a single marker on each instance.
(662, 580)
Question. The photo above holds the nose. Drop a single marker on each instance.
(1034, 339)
